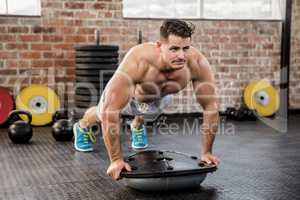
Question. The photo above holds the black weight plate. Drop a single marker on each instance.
(97, 54)
(83, 104)
(88, 86)
(93, 79)
(97, 48)
(86, 98)
(96, 66)
(97, 73)
(97, 60)
(86, 91)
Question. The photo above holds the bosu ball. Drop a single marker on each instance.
(154, 170)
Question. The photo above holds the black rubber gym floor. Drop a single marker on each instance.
(257, 162)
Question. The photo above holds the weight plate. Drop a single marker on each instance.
(83, 104)
(93, 79)
(86, 98)
(88, 73)
(86, 91)
(92, 87)
(97, 54)
(97, 60)
(95, 73)
(97, 48)
(86, 94)
(87, 86)
(262, 97)
(6, 104)
(39, 100)
(248, 93)
(108, 67)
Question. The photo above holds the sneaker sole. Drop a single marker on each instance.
(75, 142)
(139, 148)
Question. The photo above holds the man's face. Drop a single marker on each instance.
(174, 52)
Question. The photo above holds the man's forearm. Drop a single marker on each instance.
(209, 129)
(111, 136)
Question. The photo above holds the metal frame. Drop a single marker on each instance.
(285, 59)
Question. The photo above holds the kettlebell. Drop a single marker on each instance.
(62, 129)
(20, 131)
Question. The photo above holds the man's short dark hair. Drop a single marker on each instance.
(176, 27)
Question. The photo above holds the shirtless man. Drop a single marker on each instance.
(144, 80)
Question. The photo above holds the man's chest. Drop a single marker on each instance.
(156, 82)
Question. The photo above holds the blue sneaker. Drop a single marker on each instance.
(84, 138)
(139, 137)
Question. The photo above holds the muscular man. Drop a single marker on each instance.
(142, 85)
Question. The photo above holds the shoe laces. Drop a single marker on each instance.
(89, 136)
(137, 130)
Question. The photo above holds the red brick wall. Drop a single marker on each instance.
(41, 49)
(295, 58)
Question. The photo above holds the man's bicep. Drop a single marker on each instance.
(205, 93)
(204, 85)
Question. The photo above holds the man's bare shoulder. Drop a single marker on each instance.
(198, 63)
(136, 60)
(195, 56)
(144, 52)
(140, 53)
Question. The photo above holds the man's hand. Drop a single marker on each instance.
(210, 159)
(116, 167)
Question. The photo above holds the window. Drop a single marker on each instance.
(245, 9)
(17, 7)
(205, 9)
(161, 9)
(3, 7)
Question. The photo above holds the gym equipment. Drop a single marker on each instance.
(83, 104)
(6, 104)
(262, 97)
(240, 114)
(85, 91)
(95, 65)
(90, 73)
(97, 60)
(155, 170)
(95, 128)
(96, 54)
(39, 100)
(86, 98)
(93, 79)
(20, 132)
(140, 37)
(97, 47)
(62, 129)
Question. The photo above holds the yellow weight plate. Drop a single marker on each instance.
(39, 100)
(262, 97)
(248, 95)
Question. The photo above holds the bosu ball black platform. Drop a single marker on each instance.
(156, 170)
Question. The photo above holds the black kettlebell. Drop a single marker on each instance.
(240, 114)
(230, 112)
(62, 129)
(20, 131)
